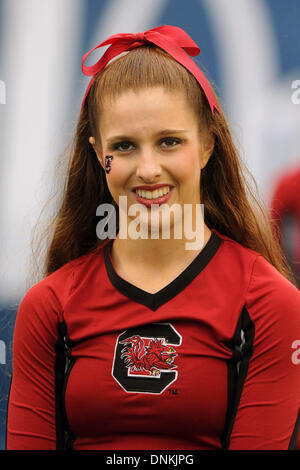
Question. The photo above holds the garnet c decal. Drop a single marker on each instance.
(145, 358)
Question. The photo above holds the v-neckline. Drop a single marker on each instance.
(155, 300)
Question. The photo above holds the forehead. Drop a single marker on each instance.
(150, 107)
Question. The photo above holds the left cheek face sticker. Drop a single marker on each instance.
(108, 163)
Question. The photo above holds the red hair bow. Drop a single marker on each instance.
(172, 39)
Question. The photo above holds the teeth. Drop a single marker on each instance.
(153, 194)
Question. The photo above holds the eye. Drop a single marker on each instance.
(117, 145)
(171, 139)
(124, 146)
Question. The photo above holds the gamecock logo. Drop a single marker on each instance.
(145, 356)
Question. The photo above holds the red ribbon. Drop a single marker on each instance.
(172, 39)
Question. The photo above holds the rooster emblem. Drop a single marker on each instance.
(152, 358)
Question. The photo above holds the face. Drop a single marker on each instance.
(154, 138)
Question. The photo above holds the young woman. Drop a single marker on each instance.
(139, 342)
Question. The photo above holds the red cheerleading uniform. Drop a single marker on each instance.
(211, 361)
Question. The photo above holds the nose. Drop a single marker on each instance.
(148, 166)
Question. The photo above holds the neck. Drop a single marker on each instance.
(159, 253)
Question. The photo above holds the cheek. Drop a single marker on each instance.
(187, 167)
(117, 176)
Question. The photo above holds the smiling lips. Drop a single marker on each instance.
(153, 194)
(158, 196)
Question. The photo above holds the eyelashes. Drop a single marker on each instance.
(117, 145)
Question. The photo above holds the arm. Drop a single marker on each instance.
(267, 408)
(34, 408)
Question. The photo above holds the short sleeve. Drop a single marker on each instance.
(268, 401)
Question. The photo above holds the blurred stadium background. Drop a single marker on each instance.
(250, 49)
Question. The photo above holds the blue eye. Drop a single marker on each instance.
(118, 145)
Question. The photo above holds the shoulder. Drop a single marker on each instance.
(270, 288)
(257, 278)
(234, 260)
(49, 296)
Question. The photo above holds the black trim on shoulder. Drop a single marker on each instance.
(154, 301)
(295, 433)
(237, 369)
(62, 367)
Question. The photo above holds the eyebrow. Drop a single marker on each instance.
(164, 132)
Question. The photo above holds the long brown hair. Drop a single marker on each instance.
(228, 190)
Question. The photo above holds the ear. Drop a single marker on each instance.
(208, 148)
(99, 155)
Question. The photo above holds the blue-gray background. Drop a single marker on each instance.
(250, 49)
